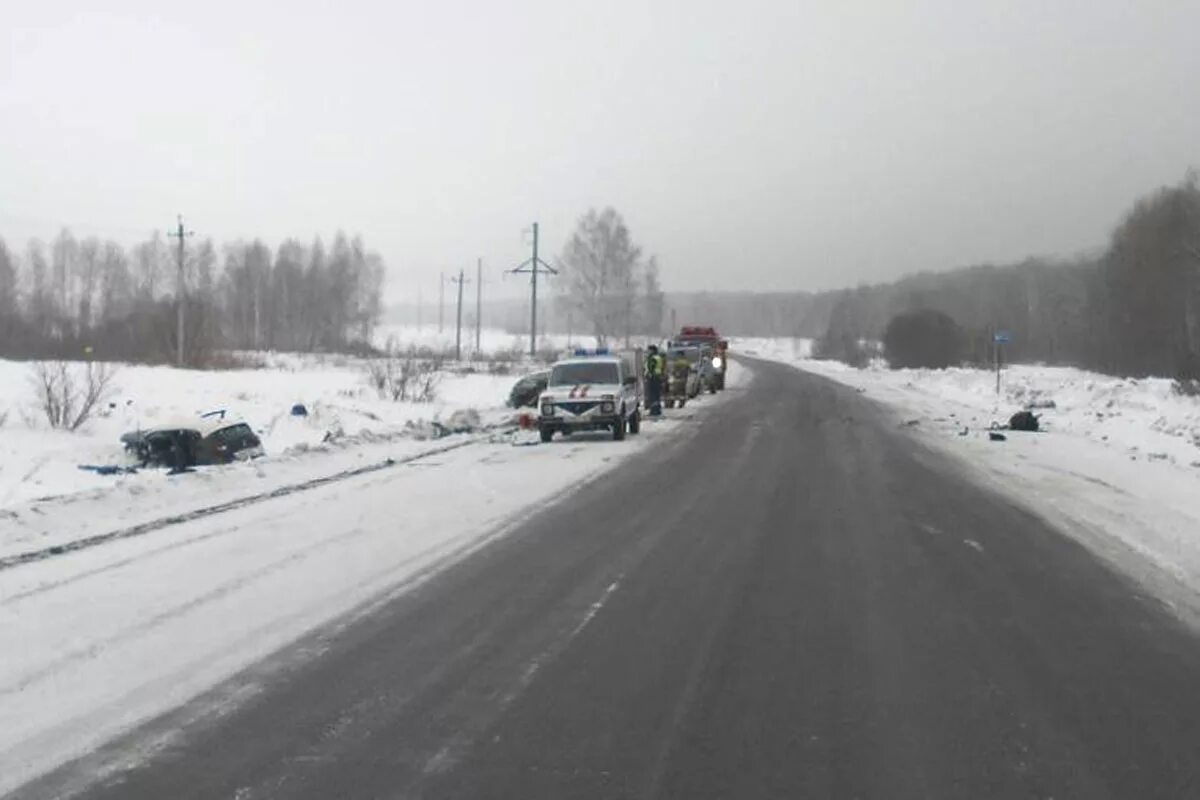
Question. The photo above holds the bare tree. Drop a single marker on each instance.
(651, 317)
(64, 255)
(75, 294)
(41, 302)
(602, 268)
(87, 278)
(150, 267)
(9, 308)
(68, 393)
(116, 284)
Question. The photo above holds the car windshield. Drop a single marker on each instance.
(583, 372)
(236, 436)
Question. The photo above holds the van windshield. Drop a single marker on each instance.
(584, 372)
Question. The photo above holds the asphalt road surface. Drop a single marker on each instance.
(797, 600)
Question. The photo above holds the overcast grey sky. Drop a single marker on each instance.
(750, 144)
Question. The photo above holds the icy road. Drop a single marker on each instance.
(788, 597)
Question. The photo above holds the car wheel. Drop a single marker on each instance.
(546, 434)
(618, 429)
(635, 422)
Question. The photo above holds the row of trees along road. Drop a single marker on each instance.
(606, 283)
(121, 303)
(1132, 309)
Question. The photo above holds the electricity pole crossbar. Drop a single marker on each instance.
(533, 266)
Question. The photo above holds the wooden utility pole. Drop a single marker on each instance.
(479, 305)
(533, 266)
(460, 280)
(180, 291)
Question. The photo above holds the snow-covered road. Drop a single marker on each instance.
(103, 638)
(1117, 465)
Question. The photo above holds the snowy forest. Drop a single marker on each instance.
(1131, 309)
(75, 297)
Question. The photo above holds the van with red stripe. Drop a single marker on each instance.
(592, 390)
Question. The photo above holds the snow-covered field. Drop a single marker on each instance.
(491, 340)
(99, 639)
(36, 461)
(1117, 463)
(46, 499)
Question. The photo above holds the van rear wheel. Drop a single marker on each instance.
(546, 434)
(618, 429)
(635, 422)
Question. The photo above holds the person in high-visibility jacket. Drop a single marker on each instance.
(656, 367)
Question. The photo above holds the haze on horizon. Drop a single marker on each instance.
(757, 145)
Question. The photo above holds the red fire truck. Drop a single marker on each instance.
(708, 336)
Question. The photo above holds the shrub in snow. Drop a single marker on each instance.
(1186, 387)
(926, 338)
(847, 348)
(67, 393)
(404, 377)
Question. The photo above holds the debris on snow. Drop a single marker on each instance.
(1023, 421)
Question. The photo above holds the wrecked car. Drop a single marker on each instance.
(193, 442)
(526, 391)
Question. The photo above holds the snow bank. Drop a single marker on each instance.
(36, 462)
(1117, 463)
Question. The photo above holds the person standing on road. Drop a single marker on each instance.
(655, 368)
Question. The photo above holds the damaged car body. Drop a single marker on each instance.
(191, 443)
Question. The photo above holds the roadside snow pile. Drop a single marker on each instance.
(341, 410)
(1116, 462)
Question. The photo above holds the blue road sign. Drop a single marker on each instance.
(1002, 337)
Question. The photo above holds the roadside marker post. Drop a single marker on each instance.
(999, 338)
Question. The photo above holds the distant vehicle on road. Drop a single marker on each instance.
(718, 359)
(193, 442)
(591, 391)
(527, 390)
